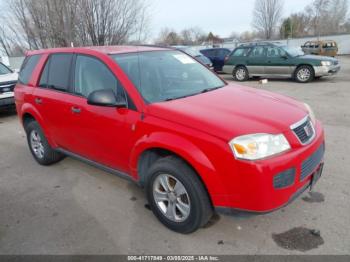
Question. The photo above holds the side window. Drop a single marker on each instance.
(258, 51)
(241, 52)
(27, 68)
(275, 52)
(91, 75)
(56, 74)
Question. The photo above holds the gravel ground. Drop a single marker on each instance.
(72, 208)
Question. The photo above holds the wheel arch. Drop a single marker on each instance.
(30, 113)
(303, 64)
(160, 145)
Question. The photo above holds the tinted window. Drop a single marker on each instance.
(241, 52)
(4, 69)
(59, 71)
(209, 53)
(222, 52)
(91, 75)
(258, 51)
(27, 68)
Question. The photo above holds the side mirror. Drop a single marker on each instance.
(106, 97)
(284, 56)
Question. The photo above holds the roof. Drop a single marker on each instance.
(102, 49)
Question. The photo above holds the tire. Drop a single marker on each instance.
(192, 206)
(304, 74)
(240, 73)
(39, 147)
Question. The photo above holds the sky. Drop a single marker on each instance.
(221, 17)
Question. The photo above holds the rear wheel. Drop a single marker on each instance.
(176, 195)
(304, 74)
(38, 145)
(240, 73)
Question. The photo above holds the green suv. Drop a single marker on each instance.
(271, 60)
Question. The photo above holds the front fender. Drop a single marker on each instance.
(185, 149)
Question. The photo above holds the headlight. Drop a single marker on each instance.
(258, 146)
(326, 63)
(311, 113)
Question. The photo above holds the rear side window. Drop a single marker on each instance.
(27, 68)
(56, 74)
(258, 51)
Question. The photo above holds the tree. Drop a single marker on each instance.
(56, 23)
(267, 14)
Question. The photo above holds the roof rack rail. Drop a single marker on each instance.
(269, 43)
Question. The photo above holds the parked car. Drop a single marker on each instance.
(8, 79)
(271, 60)
(216, 56)
(197, 55)
(161, 119)
(325, 48)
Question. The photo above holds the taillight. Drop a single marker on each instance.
(226, 58)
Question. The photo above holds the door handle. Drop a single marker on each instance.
(76, 110)
(38, 100)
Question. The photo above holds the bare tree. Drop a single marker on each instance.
(57, 23)
(267, 14)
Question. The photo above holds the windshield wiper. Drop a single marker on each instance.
(201, 92)
(210, 89)
(178, 97)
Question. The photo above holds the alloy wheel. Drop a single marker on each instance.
(304, 74)
(36, 144)
(171, 198)
(240, 74)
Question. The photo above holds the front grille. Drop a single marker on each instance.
(7, 86)
(310, 164)
(304, 131)
(284, 179)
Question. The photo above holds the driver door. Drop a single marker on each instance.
(102, 134)
(278, 62)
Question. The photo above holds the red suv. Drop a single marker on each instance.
(158, 117)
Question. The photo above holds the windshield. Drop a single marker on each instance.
(293, 51)
(167, 75)
(4, 69)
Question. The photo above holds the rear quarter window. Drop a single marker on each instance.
(27, 68)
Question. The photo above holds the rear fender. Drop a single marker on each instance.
(27, 108)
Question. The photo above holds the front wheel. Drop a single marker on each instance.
(177, 196)
(304, 74)
(240, 73)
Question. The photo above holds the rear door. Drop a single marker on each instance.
(256, 61)
(53, 98)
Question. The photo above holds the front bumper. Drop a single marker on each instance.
(7, 99)
(326, 70)
(253, 187)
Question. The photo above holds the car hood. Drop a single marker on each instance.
(8, 77)
(231, 111)
(318, 58)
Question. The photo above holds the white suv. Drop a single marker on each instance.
(8, 80)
